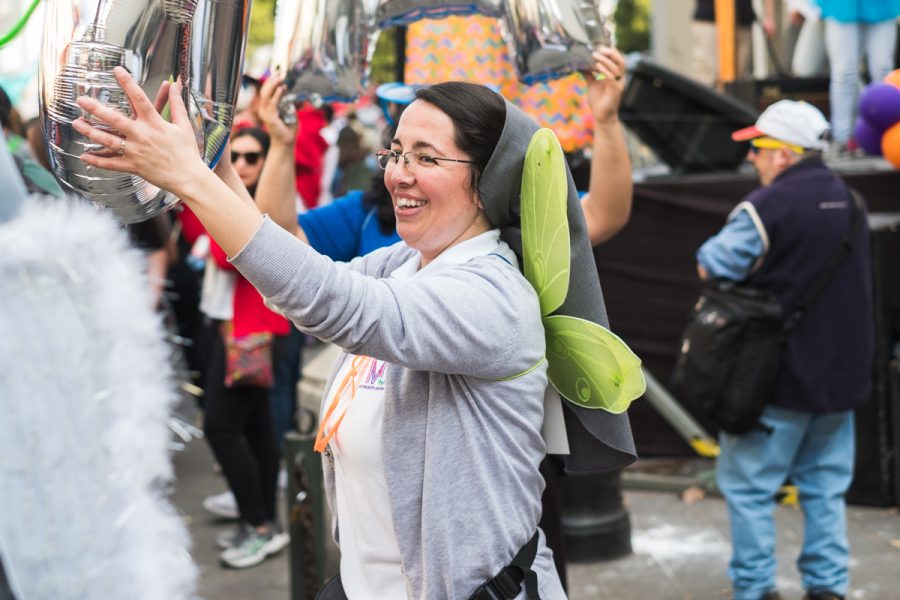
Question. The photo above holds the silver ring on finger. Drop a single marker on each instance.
(122, 147)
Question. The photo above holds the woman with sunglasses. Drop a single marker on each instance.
(237, 416)
(431, 425)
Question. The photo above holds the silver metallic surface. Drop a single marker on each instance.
(324, 48)
(552, 38)
(199, 41)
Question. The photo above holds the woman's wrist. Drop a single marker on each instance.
(608, 122)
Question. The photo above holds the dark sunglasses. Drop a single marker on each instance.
(251, 158)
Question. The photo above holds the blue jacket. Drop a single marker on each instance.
(345, 229)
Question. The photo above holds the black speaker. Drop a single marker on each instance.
(877, 470)
(760, 93)
(688, 125)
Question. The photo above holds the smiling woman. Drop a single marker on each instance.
(435, 194)
(444, 368)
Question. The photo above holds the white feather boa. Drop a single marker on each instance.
(85, 393)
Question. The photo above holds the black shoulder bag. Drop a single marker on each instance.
(731, 348)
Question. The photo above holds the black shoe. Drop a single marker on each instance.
(822, 596)
(773, 595)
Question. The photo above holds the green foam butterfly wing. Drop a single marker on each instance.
(545, 229)
(587, 364)
(591, 366)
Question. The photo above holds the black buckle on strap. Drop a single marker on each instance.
(507, 583)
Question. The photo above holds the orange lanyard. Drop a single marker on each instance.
(357, 366)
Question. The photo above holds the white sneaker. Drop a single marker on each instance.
(233, 536)
(255, 548)
(222, 505)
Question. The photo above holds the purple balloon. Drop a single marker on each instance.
(879, 105)
(868, 138)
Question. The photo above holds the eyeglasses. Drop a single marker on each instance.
(388, 159)
(772, 144)
(251, 158)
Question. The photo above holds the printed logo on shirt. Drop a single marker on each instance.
(374, 378)
(838, 204)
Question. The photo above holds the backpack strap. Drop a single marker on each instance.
(507, 584)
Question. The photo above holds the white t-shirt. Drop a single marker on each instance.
(217, 292)
(370, 556)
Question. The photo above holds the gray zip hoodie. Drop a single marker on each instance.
(461, 443)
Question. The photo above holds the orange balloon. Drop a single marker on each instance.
(893, 78)
(890, 145)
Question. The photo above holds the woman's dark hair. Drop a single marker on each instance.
(478, 115)
(257, 134)
(378, 196)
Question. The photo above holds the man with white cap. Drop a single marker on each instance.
(779, 239)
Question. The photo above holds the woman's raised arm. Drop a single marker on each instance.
(166, 155)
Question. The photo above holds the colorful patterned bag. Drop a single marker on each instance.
(248, 359)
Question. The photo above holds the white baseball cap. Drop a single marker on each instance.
(790, 121)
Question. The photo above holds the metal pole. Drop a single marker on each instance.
(669, 408)
(306, 508)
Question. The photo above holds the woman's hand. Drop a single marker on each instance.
(605, 84)
(270, 95)
(165, 154)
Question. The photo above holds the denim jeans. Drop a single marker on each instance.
(846, 43)
(816, 452)
(287, 353)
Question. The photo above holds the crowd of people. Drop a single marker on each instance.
(405, 255)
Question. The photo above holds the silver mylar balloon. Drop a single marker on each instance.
(403, 12)
(324, 48)
(199, 41)
(552, 38)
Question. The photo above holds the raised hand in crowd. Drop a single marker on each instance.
(607, 205)
(276, 194)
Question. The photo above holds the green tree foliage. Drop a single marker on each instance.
(632, 19)
(384, 61)
(262, 25)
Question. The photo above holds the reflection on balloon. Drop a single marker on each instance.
(199, 42)
(550, 38)
(324, 47)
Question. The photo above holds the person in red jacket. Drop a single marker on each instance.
(238, 421)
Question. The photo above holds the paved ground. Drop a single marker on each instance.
(680, 550)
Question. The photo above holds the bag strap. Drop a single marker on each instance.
(507, 584)
(837, 257)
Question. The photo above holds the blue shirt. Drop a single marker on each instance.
(345, 229)
(732, 253)
(856, 11)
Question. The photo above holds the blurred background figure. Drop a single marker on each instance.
(26, 150)
(238, 418)
(354, 171)
(809, 58)
(855, 29)
(705, 67)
